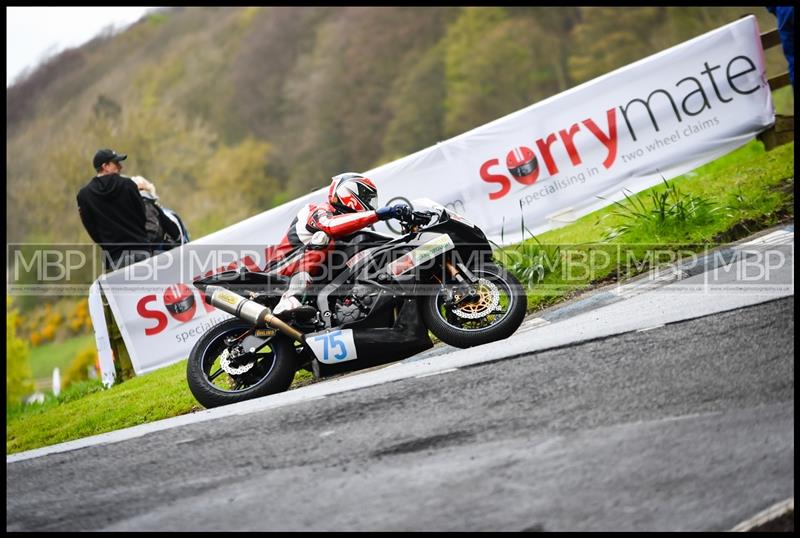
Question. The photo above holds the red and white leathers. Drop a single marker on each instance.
(290, 258)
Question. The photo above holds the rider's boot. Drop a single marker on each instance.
(290, 306)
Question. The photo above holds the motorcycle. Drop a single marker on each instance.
(374, 307)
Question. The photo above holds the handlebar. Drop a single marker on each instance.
(417, 218)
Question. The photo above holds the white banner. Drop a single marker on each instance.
(104, 351)
(548, 164)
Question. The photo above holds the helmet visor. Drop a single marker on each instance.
(183, 305)
(523, 170)
(367, 195)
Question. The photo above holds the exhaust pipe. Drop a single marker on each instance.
(251, 311)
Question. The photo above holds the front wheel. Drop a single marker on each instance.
(494, 313)
(221, 372)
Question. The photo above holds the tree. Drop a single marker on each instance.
(235, 186)
(608, 38)
(494, 65)
(416, 106)
(555, 26)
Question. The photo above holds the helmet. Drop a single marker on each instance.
(179, 301)
(523, 165)
(350, 192)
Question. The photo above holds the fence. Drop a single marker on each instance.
(782, 132)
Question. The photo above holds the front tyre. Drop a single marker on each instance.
(221, 372)
(496, 312)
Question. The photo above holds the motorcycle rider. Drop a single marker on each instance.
(303, 250)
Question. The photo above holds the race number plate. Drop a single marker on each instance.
(333, 347)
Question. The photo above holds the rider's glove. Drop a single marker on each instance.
(398, 211)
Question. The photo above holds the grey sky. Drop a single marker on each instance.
(36, 33)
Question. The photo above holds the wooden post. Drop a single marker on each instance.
(782, 132)
(122, 361)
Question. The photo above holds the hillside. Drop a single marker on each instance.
(230, 111)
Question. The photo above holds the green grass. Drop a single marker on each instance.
(59, 355)
(75, 391)
(749, 170)
(85, 409)
(752, 188)
(143, 399)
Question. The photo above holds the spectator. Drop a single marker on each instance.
(785, 15)
(165, 229)
(113, 213)
(184, 233)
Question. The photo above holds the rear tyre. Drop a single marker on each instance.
(219, 372)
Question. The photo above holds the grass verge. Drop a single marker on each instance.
(59, 355)
(725, 200)
(86, 409)
(753, 189)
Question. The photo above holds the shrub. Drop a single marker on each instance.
(79, 319)
(530, 261)
(35, 338)
(668, 209)
(47, 333)
(19, 379)
(76, 325)
(78, 369)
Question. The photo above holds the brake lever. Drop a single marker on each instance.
(416, 219)
(422, 217)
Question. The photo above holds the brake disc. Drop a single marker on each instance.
(485, 305)
(225, 363)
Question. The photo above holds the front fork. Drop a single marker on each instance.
(465, 289)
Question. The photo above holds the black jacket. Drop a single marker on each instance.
(113, 213)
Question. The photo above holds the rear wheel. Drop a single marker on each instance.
(494, 312)
(221, 372)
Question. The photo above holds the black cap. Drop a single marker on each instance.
(104, 156)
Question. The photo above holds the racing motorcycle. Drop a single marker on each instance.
(374, 307)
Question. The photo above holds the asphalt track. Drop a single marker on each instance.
(686, 425)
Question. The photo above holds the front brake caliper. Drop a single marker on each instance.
(460, 293)
(478, 304)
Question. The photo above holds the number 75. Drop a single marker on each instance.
(330, 341)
